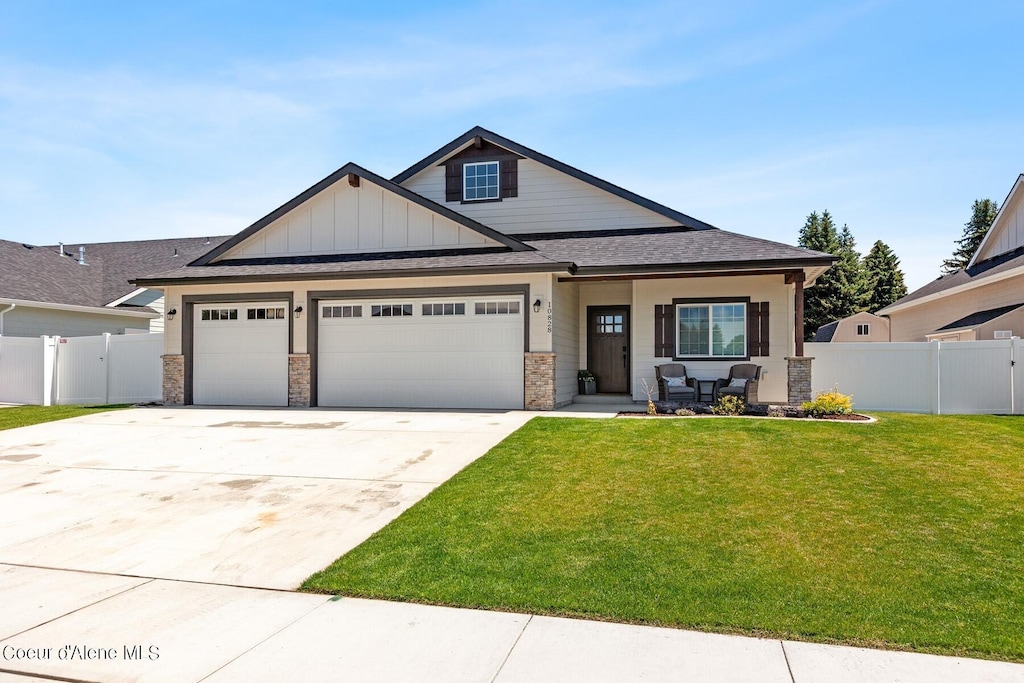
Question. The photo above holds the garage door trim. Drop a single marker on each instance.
(315, 297)
(188, 303)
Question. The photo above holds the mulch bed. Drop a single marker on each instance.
(669, 408)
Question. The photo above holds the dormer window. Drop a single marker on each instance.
(480, 181)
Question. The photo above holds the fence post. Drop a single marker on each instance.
(49, 370)
(1014, 408)
(106, 368)
(936, 364)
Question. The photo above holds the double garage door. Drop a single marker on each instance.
(402, 352)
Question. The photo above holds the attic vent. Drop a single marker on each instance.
(175, 253)
(1003, 334)
(28, 246)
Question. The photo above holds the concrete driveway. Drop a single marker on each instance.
(258, 498)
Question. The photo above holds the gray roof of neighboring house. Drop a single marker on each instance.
(979, 271)
(826, 332)
(979, 318)
(40, 273)
(661, 249)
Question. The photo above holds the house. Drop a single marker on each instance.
(483, 276)
(84, 290)
(859, 327)
(981, 301)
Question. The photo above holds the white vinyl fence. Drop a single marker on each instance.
(962, 377)
(81, 370)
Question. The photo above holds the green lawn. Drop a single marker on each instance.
(905, 534)
(23, 416)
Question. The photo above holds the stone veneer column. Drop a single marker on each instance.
(799, 379)
(539, 379)
(298, 380)
(174, 379)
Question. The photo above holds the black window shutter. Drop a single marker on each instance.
(664, 331)
(453, 182)
(764, 328)
(509, 178)
(757, 329)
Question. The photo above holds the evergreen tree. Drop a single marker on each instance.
(983, 212)
(842, 290)
(884, 277)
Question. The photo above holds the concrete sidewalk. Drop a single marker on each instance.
(117, 629)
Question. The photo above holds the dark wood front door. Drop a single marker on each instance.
(608, 347)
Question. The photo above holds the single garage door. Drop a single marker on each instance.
(240, 354)
(421, 353)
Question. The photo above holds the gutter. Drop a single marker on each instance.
(9, 308)
(99, 310)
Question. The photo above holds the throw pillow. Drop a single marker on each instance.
(738, 383)
(675, 381)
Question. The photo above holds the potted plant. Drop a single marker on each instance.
(586, 382)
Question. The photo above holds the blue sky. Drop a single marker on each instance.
(147, 120)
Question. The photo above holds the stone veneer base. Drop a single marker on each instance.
(298, 380)
(798, 383)
(174, 379)
(539, 381)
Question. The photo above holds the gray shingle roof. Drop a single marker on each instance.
(667, 247)
(361, 265)
(40, 273)
(979, 318)
(976, 273)
(606, 251)
(826, 332)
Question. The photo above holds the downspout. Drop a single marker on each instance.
(6, 310)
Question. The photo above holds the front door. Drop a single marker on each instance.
(608, 347)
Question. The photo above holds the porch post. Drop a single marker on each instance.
(797, 278)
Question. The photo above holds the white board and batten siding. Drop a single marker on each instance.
(1007, 232)
(347, 220)
(238, 360)
(548, 201)
(446, 360)
(949, 378)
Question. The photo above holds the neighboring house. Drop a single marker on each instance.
(859, 327)
(83, 290)
(978, 302)
(483, 276)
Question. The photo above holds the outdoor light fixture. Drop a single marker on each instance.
(536, 306)
(171, 313)
(298, 310)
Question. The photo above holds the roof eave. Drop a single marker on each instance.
(753, 266)
(98, 310)
(1018, 185)
(980, 282)
(359, 275)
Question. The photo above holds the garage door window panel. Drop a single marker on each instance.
(391, 310)
(444, 309)
(497, 308)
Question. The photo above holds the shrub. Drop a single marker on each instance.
(829, 403)
(729, 405)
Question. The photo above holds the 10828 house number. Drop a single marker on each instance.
(550, 318)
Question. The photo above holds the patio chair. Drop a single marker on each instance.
(742, 381)
(674, 384)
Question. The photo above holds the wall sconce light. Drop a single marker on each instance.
(298, 310)
(171, 313)
(536, 306)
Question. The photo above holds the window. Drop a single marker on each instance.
(480, 181)
(220, 314)
(497, 308)
(391, 310)
(265, 314)
(444, 309)
(342, 312)
(609, 323)
(863, 329)
(1002, 334)
(712, 330)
